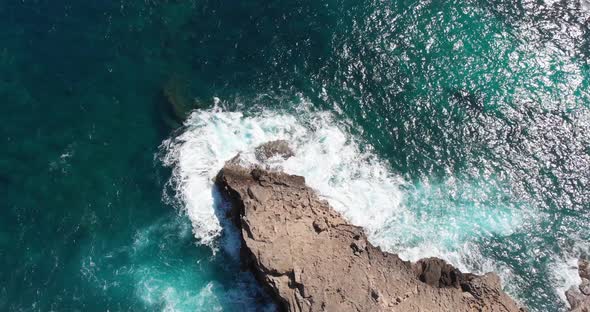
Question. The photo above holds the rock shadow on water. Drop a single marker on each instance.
(244, 291)
(174, 101)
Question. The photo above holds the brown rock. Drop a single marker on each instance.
(436, 272)
(579, 297)
(585, 287)
(310, 259)
(577, 300)
(584, 268)
(272, 149)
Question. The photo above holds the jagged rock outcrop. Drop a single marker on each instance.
(579, 297)
(436, 272)
(311, 259)
(273, 148)
(584, 268)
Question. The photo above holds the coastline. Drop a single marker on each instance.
(309, 258)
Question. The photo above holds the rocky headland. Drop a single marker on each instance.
(310, 258)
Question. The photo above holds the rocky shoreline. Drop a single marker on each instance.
(579, 296)
(310, 258)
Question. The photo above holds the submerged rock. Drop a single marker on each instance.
(311, 259)
(176, 103)
(176, 98)
(273, 148)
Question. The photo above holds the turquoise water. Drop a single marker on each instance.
(459, 129)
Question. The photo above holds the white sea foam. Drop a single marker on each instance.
(177, 293)
(165, 282)
(356, 183)
(211, 138)
(565, 275)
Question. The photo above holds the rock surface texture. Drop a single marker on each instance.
(579, 297)
(311, 259)
(272, 149)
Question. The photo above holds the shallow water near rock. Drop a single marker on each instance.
(457, 129)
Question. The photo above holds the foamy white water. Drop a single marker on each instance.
(355, 183)
(565, 275)
(441, 218)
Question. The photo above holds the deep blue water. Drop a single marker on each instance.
(481, 107)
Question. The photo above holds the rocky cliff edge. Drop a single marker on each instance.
(310, 258)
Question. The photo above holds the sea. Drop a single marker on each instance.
(458, 129)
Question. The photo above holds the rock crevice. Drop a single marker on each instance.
(310, 258)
